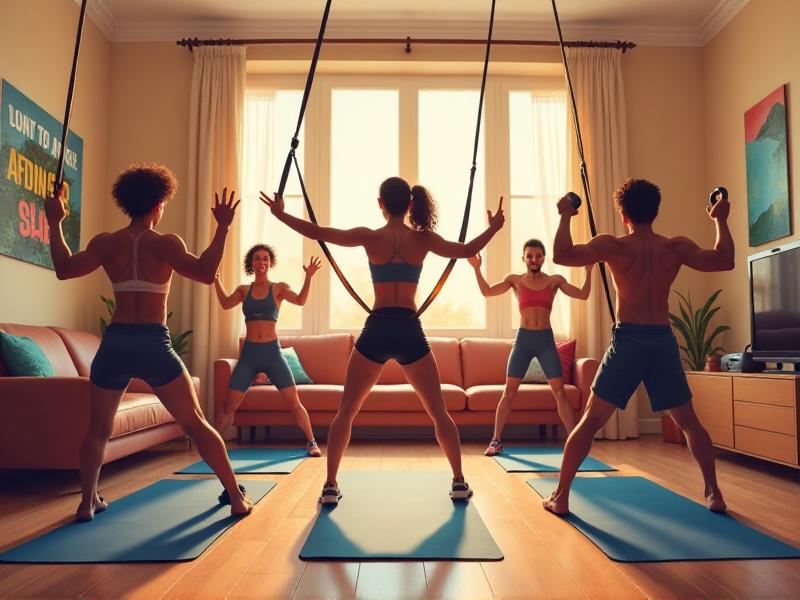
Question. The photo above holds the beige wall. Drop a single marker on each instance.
(36, 46)
(757, 52)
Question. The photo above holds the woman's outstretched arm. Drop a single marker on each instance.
(438, 245)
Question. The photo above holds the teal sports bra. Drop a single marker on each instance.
(390, 272)
(263, 309)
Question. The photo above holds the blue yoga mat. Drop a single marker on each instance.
(541, 459)
(632, 519)
(255, 460)
(399, 515)
(170, 520)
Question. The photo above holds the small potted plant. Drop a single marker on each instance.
(699, 351)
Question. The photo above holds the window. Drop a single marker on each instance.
(361, 130)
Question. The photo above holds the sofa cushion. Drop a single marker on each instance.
(401, 397)
(139, 411)
(49, 342)
(317, 397)
(324, 357)
(82, 346)
(530, 396)
(448, 358)
(23, 357)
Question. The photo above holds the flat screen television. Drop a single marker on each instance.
(775, 304)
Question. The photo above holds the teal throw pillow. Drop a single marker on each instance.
(23, 357)
(534, 374)
(298, 372)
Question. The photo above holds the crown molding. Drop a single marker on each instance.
(722, 14)
(99, 14)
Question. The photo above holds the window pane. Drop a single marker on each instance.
(538, 139)
(269, 122)
(365, 141)
(446, 140)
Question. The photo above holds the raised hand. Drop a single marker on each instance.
(565, 207)
(224, 211)
(275, 204)
(313, 266)
(720, 210)
(497, 219)
(475, 261)
(54, 206)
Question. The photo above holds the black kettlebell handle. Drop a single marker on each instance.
(718, 193)
(575, 199)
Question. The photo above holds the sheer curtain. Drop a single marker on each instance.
(215, 150)
(600, 99)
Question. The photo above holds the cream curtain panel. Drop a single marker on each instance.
(216, 115)
(600, 99)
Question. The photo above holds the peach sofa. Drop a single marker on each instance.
(45, 418)
(472, 373)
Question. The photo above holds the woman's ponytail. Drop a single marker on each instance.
(424, 213)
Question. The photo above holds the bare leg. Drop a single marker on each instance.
(359, 378)
(576, 449)
(504, 406)
(289, 395)
(565, 412)
(423, 375)
(103, 405)
(224, 419)
(178, 396)
(703, 451)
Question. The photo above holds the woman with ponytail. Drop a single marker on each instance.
(395, 253)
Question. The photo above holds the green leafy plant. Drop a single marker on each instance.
(693, 325)
(180, 341)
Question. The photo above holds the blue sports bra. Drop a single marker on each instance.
(262, 309)
(390, 272)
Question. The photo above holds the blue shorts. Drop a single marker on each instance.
(392, 332)
(530, 344)
(258, 357)
(642, 353)
(141, 350)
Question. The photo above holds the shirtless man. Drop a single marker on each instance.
(643, 266)
(535, 291)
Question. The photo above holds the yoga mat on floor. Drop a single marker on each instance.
(255, 460)
(541, 459)
(632, 519)
(171, 520)
(399, 515)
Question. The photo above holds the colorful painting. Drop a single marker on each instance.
(766, 153)
(30, 143)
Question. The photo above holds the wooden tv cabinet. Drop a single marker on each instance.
(751, 413)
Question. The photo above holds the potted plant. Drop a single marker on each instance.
(699, 345)
(180, 341)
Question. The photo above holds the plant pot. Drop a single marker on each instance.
(671, 432)
(714, 363)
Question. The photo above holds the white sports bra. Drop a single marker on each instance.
(135, 284)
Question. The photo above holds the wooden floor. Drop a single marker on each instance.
(544, 556)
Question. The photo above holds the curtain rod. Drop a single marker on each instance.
(192, 43)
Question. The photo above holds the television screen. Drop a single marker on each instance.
(775, 303)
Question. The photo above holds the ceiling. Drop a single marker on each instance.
(655, 22)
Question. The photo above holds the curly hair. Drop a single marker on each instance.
(639, 200)
(398, 198)
(141, 187)
(248, 258)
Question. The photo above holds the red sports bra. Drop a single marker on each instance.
(542, 298)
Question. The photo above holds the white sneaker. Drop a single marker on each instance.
(460, 490)
(330, 494)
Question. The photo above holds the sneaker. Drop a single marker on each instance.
(460, 490)
(330, 494)
(313, 449)
(224, 498)
(495, 448)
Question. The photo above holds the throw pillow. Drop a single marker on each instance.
(566, 352)
(24, 358)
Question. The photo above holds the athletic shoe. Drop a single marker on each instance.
(224, 498)
(313, 449)
(460, 490)
(495, 448)
(330, 494)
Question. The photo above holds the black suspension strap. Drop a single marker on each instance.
(291, 158)
(70, 94)
(584, 174)
(465, 220)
